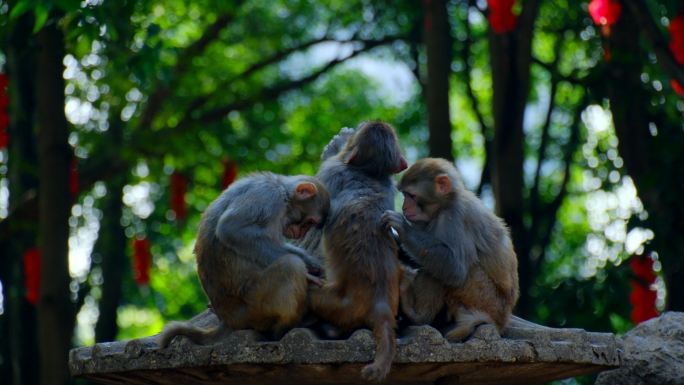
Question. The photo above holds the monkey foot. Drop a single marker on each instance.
(374, 372)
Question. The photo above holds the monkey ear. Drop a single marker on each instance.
(305, 190)
(442, 184)
(351, 157)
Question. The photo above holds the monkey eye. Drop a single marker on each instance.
(409, 195)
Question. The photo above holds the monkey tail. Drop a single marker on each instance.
(466, 322)
(196, 334)
(385, 343)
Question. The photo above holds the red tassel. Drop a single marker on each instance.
(73, 177)
(677, 88)
(179, 185)
(605, 12)
(501, 16)
(4, 115)
(142, 261)
(642, 297)
(677, 48)
(230, 171)
(32, 275)
(677, 36)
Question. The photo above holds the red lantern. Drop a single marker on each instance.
(230, 170)
(179, 185)
(32, 275)
(642, 297)
(605, 12)
(677, 36)
(4, 116)
(501, 16)
(142, 261)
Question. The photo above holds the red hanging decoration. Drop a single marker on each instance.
(179, 185)
(677, 48)
(230, 171)
(605, 12)
(677, 36)
(427, 20)
(4, 115)
(32, 275)
(501, 16)
(677, 88)
(642, 297)
(73, 177)
(142, 261)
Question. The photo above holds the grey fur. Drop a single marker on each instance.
(447, 246)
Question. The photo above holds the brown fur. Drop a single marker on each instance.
(361, 266)
(253, 278)
(467, 262)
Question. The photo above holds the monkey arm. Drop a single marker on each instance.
(253, 231)
(311, 263)
(448, 263)
(337, 142)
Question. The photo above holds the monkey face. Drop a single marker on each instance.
(299, 229)
(308, 207)
(416, 208)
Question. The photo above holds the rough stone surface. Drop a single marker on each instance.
(653, 354)
(527, 354)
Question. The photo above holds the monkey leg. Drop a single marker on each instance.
(422, 296)
(276, 299)
(383, 323)
(345, 312)
(479, 301)
(466, 322)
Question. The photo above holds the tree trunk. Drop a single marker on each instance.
(653, 162)
(511, 55)
(55, 310)
(438, 48)
(19, 323)
(111, 245)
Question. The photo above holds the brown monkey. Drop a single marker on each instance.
(464, 252)
(253, 278)
(361, 265)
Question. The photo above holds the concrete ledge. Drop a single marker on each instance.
(527, 354)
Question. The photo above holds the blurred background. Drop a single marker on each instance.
(120, 121)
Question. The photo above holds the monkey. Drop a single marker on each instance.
(311, 242)
(252, 277)
(466, 260)
(361, 267)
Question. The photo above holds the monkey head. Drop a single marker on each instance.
(308, 207)
(374, 149)
(429, 186)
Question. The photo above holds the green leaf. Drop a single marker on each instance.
(20, 8)
(42, 13)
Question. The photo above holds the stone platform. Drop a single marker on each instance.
(527, 354)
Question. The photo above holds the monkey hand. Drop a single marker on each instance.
(315, 280)
(313, 267)
(392, 220)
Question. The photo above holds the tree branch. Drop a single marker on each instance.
(164, 90)
(550, 211)
(274, 58)
(648, 27)
(541, 153)
(273, 92)
(474, 102)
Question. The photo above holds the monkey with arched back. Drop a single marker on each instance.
(253, 278)
(466, 260)
(361, 266)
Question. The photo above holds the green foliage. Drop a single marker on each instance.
(183, 98)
